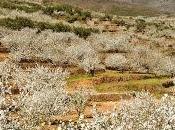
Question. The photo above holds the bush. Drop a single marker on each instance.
(76, 13)
(60, 27)
(49, 9)
(17, 23)
(20, 6)
(107, 17)
(42, 26)
(82, 32)
(66, 8)
(20, 22)
(140, 25)
(94, 30)
(72, 19)
(128, 26)
(85, 15)
(119, 22)
(24, 22)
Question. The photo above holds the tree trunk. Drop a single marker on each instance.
(172, 75)
(92, 72)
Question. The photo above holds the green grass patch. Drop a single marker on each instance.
(152, 85)
(109, 73)
(84, 76)
(107, 82)
(117, 82)
(79, 77)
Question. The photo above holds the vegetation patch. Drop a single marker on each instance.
(73, 13)
(152, 85)
(20, 22)
(23, 6)
(140, 25)
(116, 82)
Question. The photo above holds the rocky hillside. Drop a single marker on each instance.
(124, 7)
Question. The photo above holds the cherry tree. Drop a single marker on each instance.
(79, 100)
(8, 104)
(84, 56)
(145, 59)
(47, 45)
(167, 66)
(22, 44)
(143, 112)
(90, 63)
(42, 96)
(117, 61)
(106, 42)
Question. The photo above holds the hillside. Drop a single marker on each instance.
(86, 65)
(126, 7)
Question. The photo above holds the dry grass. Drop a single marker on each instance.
(101, 107)
(3, 56)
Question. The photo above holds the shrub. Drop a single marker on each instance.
(49, 9)
(94, 30)
(21, 22)
(84, 15)
(72, 19)
(79, 101)
(119, 22)
(66, 8)
(42, 26)
(80, 16)
(17, 23)
(128, 26)
(73, 12)
(24, 22)
(20, 6)
(107, 17)
(140, 25)
(60, 27)
(82, 32)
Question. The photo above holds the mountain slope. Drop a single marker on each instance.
(126, 7)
